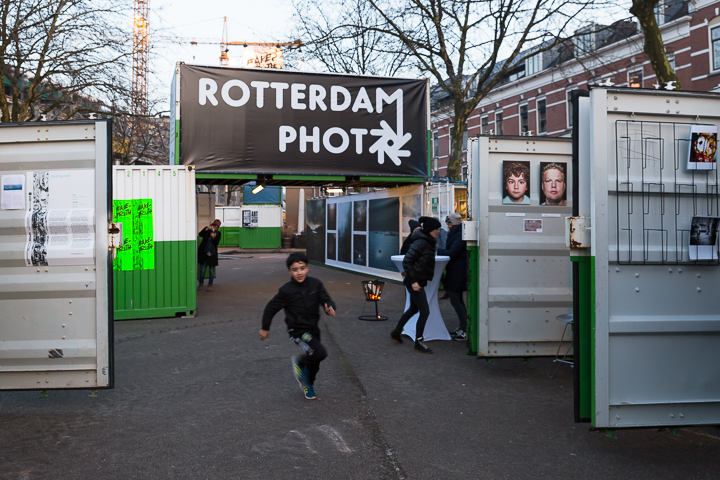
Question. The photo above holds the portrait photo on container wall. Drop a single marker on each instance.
(316, 230)
(516, 183)
(553, 188)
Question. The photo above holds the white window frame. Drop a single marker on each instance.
(537, 115)
(533, 64)
(484, 124)
(436, 143)
(568, 113)
(520, 117)
(585, 35)
(712, 25)
(495, 122)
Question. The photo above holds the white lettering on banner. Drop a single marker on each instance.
(287, 135)
(363, 101)
(317, 97)
(260, 92)
(225, 93)
(314, 139)
(329, 146)
(207, 90)
(358, 132)
(389, 143)
(334, 105)
(296, 95)
(279, 88)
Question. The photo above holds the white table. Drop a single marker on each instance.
(435, 327)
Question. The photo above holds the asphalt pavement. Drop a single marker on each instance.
(203, 398)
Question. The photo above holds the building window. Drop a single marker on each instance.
(715, 39)
(569, 107)
(499, 123)
(671, 60)
(452, 129)
(435, 167)
(585, 41)
(464, 172)
(542, 115)
(465, 139)
(484, 121)
(524, 119)
(635, 79)
(436, 144)
(533, 64)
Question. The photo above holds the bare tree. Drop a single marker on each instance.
(59, 57)
(654, 48)
(466, 46)
(339, 37)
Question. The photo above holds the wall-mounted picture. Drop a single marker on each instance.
(703, 238)
(703, 147)
(516, 183)
(332, 216)
(359, 250)
(532, 225)
(316, 230)
(331, 250)
(411, 210)
(553, 187)
(383, 232)
(344, 220)
(360, 216)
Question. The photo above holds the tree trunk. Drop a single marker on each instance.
(456, 143)
(644, 11)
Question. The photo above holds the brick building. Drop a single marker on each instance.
(533, 98)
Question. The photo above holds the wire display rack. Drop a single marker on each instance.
(656, 196)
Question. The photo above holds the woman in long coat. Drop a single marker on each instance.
(208, 252)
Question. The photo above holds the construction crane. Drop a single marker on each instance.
(224, 44)
(138, 101)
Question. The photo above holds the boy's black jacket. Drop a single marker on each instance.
(419, 261)
(302, 303)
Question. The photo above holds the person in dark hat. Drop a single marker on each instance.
(208, 252)
(419, 267)
(414, 225)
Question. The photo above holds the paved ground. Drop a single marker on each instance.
(204, 398)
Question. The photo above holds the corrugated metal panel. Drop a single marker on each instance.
(168, 289)
(260, 237)
(56, 326)
(230, 236)
(268, 215)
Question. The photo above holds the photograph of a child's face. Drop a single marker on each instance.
(516, 183)
(553, 189)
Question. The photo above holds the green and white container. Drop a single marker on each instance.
(260, 226)
(230, 228)
(154, 271)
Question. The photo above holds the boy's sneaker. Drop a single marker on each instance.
(396, 336)
(459, 335)
(309, 392)
(298, 371)
(420, 346)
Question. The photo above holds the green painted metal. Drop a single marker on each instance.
(177, 142)
(226, 176)
(592, 339)
(429, 152)
(584, 322)
(473, 299)
(323, 178)
(262, 237)
(167, 290)
(229, 236)
(393, 179)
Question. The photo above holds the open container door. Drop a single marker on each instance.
(55, 258)
(655, 311)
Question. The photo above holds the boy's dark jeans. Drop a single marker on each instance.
(314, 353)
(418, 303)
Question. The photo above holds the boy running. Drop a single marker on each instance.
(301, 298)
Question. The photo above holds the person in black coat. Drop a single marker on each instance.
(208, 252)
(419, 268)
(455, 279)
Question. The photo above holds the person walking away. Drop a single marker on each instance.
(414, 225)
(419, 267)
(208, 252)
(301, 299)
(455, 279)
(442, 236)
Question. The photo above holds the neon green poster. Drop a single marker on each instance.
(138, 250)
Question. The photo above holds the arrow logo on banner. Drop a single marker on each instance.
(391, 141)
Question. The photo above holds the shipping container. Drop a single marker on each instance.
(230, 227)
(260, 226)
(154, 271)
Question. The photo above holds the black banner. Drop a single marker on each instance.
(273, 122)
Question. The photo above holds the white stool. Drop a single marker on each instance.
(567, 318)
